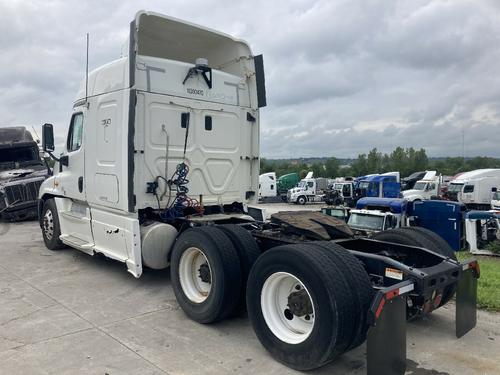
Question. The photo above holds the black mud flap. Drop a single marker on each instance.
(466, 305)
(386, 342)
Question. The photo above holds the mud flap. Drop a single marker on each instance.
(466, 311)
(386, 341)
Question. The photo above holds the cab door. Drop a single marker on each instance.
(74, 212)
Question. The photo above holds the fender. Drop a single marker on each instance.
(49, 189)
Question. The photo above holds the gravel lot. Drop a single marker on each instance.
(66, 312)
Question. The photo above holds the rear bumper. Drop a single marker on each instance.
(386, 339)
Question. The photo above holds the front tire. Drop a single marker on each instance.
(301, 200)
(49, 222)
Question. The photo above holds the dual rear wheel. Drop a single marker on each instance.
(307, 303)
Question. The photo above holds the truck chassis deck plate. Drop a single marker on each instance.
(312, 224)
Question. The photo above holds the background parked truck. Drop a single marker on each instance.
(442, 217)
(386, 185)
(21, 174)
(309, 190)
(267, 185)
(429, 187)
(476, 188)
(495, 201)
(407, 183)
(286, 182)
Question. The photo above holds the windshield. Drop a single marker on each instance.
(420, 186)
(337, 213)
(364, 185)
(413, 176)
(363, 221)
(19, 155)
(302, 184)
(455, 188)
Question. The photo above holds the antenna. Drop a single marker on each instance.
(34, 130)
(37, 137)
(87, 71)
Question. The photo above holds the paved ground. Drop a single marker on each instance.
(67, 313)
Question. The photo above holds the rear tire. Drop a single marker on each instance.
(248, 252)
(412, 236)
(206, 274)
(315, 325)
(49, 222)
(359, 283)
(443, 247)
(437, 244)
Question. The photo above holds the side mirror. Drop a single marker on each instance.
(48, 138)
(493, 189)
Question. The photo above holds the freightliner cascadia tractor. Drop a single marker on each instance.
(161, 169)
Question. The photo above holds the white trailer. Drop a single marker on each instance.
(160, 166)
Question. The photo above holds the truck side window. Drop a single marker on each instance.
(310, 184)
(75, 134)
(388, 222)
(468, 188)
(208, 122)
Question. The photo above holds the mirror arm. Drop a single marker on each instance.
(50, 172)
(52, 156)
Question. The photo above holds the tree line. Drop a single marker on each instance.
(406, 161)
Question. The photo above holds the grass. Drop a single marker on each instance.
(488, 293)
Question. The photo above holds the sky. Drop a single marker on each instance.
(342, 76)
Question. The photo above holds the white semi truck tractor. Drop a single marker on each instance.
(160, 169)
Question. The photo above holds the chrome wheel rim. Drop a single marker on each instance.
(48, 225)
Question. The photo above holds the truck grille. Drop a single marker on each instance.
(24, 192)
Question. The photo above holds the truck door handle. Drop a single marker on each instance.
(80, 184)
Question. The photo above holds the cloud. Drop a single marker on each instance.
(342, 76)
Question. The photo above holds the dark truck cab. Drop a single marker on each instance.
(21, 173)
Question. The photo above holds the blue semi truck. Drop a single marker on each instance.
(385, 185)
(442, 217)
